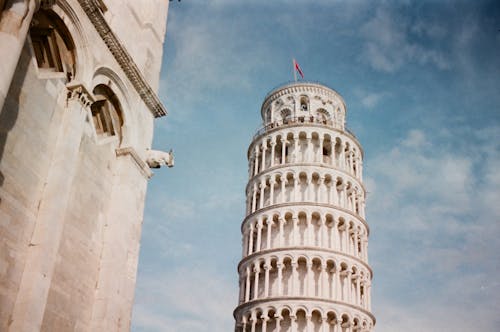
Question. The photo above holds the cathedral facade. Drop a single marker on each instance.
(78, 82)
(305, 236)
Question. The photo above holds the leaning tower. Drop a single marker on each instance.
(305, 237)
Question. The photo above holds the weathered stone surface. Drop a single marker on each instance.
(71, 207)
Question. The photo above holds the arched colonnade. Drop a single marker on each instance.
(307, 229)
(296, 145)
(301, 319)
(297, 275)
(296, 185)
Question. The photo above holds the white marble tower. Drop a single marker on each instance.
(305, 237)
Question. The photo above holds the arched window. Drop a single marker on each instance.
(106, 112)
(285, 115)
(322, 116)
(52, 44)
(304, 103)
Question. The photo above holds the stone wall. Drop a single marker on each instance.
(71, 204)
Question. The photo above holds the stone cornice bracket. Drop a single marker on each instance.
(143, 167)
(123, 58)
(77, 91)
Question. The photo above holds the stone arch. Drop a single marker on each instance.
(316, 320)
(331, 319)
(345, 322)
(322, 116)
(285, 115)
(109, 78)
(107, 113)
(286, 314)
(53, 45)
(301, 316)
(81, 41)
(304, 103)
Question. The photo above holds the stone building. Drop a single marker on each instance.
(305, 237)
(77, 100)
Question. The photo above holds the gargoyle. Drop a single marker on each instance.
(156, 159)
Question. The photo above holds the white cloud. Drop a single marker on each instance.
(210, 55)
(198, 299)
(388, 46)
(369, 99)
(415, 139)
(439, 207)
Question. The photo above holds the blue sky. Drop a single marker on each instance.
(421, 80)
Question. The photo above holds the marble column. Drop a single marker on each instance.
(256, 160)
(250, 246)
(256, 270)
(247, 285)
(272, 183)
(264, 149)
(267, 267)
(259, 235)
(279, 266)
(273, 148)
(269, 224)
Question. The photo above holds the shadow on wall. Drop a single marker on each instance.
(10, 109)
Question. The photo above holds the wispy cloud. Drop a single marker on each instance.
(369, 99)
(434, 205)
(433, 187)
(388, 45)
(212, 54)
(197, 296)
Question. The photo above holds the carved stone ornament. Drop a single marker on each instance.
(156, 159)
(80, 93)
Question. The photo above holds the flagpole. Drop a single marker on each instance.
(294, 70)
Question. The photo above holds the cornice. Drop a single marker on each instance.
(123, 58)
(301, 87)
(308, 302)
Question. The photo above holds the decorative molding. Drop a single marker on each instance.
(143, 167)
(302, 87)
(77, 91)
(123, 58)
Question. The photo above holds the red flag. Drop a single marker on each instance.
(297, 68)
